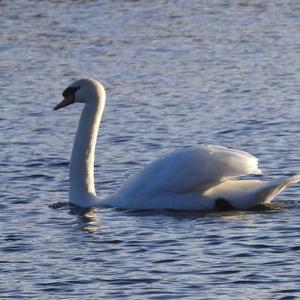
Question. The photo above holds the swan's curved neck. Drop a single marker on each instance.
(82, 187)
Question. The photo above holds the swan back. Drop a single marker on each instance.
(194, 169)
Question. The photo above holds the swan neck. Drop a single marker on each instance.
(82, 186)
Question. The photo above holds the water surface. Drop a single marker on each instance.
(177, 73)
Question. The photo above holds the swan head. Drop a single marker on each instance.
(82, 91)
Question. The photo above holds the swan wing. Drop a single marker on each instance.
(191, 169)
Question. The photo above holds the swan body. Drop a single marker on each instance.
(195, 178)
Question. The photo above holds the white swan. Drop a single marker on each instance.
(197, 178)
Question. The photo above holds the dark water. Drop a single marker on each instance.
(177, 73)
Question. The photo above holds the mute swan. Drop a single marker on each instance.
(196, 178)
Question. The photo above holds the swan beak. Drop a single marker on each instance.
(65, 102)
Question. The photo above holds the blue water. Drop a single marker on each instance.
(177, 73)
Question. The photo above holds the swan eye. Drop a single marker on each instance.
(70, 91)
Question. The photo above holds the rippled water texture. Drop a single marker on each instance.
(177, 73)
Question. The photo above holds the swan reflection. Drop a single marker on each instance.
(86, 218)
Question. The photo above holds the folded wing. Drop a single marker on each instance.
(191, 169)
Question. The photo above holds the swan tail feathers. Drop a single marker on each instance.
(268, 192)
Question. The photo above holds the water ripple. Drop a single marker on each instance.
(177, 73)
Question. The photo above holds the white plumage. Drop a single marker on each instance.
(196, 178)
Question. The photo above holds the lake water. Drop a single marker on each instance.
(177, 73)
